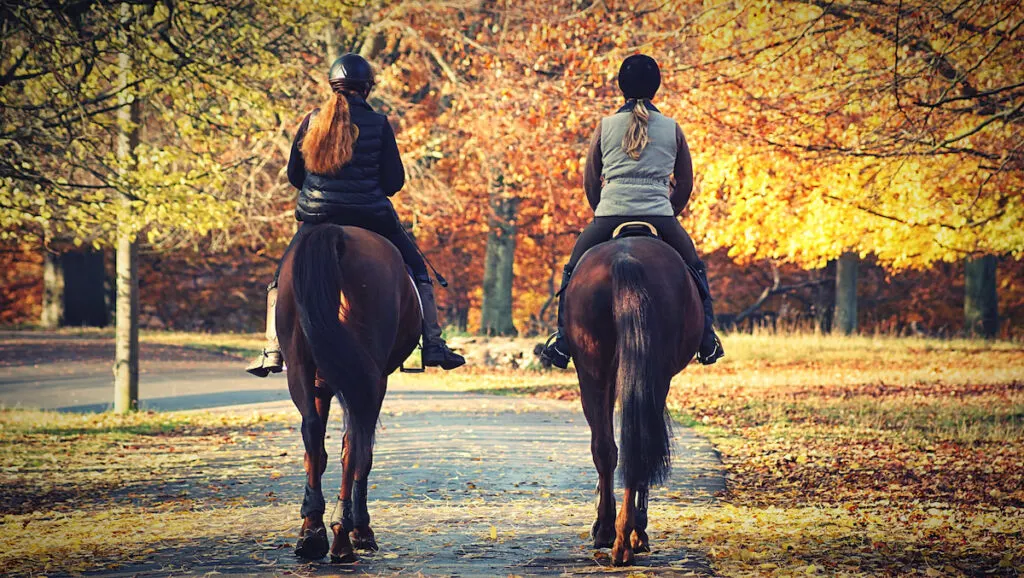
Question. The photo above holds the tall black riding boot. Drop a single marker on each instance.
(556, 351)
(710, 346)
(435, 351)
(270, 361)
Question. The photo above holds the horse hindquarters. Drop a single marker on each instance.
(339, 357)
(645, 437)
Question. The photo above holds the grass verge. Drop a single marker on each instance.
(856, 456)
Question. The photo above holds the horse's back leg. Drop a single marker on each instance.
(622, 551)
(324, 396)
(362, 535)
(312, 543)
(597, 394)
(341, 518)
(351, 520)
(639, 539)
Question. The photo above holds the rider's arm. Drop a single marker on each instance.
(392, 172)
(592, 172)
(296, 164)
(683, 174)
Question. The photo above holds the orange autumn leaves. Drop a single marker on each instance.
(802, 148)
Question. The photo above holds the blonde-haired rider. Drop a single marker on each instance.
(638, 169)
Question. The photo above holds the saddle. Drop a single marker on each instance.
(635, 229)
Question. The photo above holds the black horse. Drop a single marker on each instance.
(347, 316)
(633, 320)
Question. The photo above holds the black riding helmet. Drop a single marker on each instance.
(639, 77)
(352, 73)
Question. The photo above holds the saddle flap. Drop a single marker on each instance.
(635, 229)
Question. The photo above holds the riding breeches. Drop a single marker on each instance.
(385, 223)
(601, 228)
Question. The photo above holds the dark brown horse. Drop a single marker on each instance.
(347, 316)
(633, 320)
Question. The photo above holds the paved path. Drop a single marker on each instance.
(71, 373)
(463, 484)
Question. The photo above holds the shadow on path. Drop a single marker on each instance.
(462, 485)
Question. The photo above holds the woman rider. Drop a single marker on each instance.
(638, 168)
(345, 163)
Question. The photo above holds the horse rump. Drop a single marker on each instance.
(340, 359)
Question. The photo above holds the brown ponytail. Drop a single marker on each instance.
(635, 139)
(327, 145)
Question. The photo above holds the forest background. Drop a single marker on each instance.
(858, 163)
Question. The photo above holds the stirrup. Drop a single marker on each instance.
(717, 353)
(552, 354)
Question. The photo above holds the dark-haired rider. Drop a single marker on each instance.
(638, 169)
(346, 164)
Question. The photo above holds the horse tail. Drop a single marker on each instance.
(645, 433)
(339, 357)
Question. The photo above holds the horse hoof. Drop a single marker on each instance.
(369, 545)
(621, 555)
(640, 542)
(346, 558)
(601, 541)
(312, 544)
(363, 539)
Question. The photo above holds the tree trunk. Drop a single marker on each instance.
(372, 45)
(496, 310)
(126, 333)
(53, 291)
(331, 45)
(846, 294)
(825, 299)
(981, 302)
(458, 314)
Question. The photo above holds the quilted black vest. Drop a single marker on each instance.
(357, 184)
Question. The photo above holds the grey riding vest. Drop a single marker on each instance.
(637, 187)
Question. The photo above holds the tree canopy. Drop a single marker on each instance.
(889, 128)
(215, 80)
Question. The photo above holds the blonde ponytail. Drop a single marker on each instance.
(635, 139)
(328, 143)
